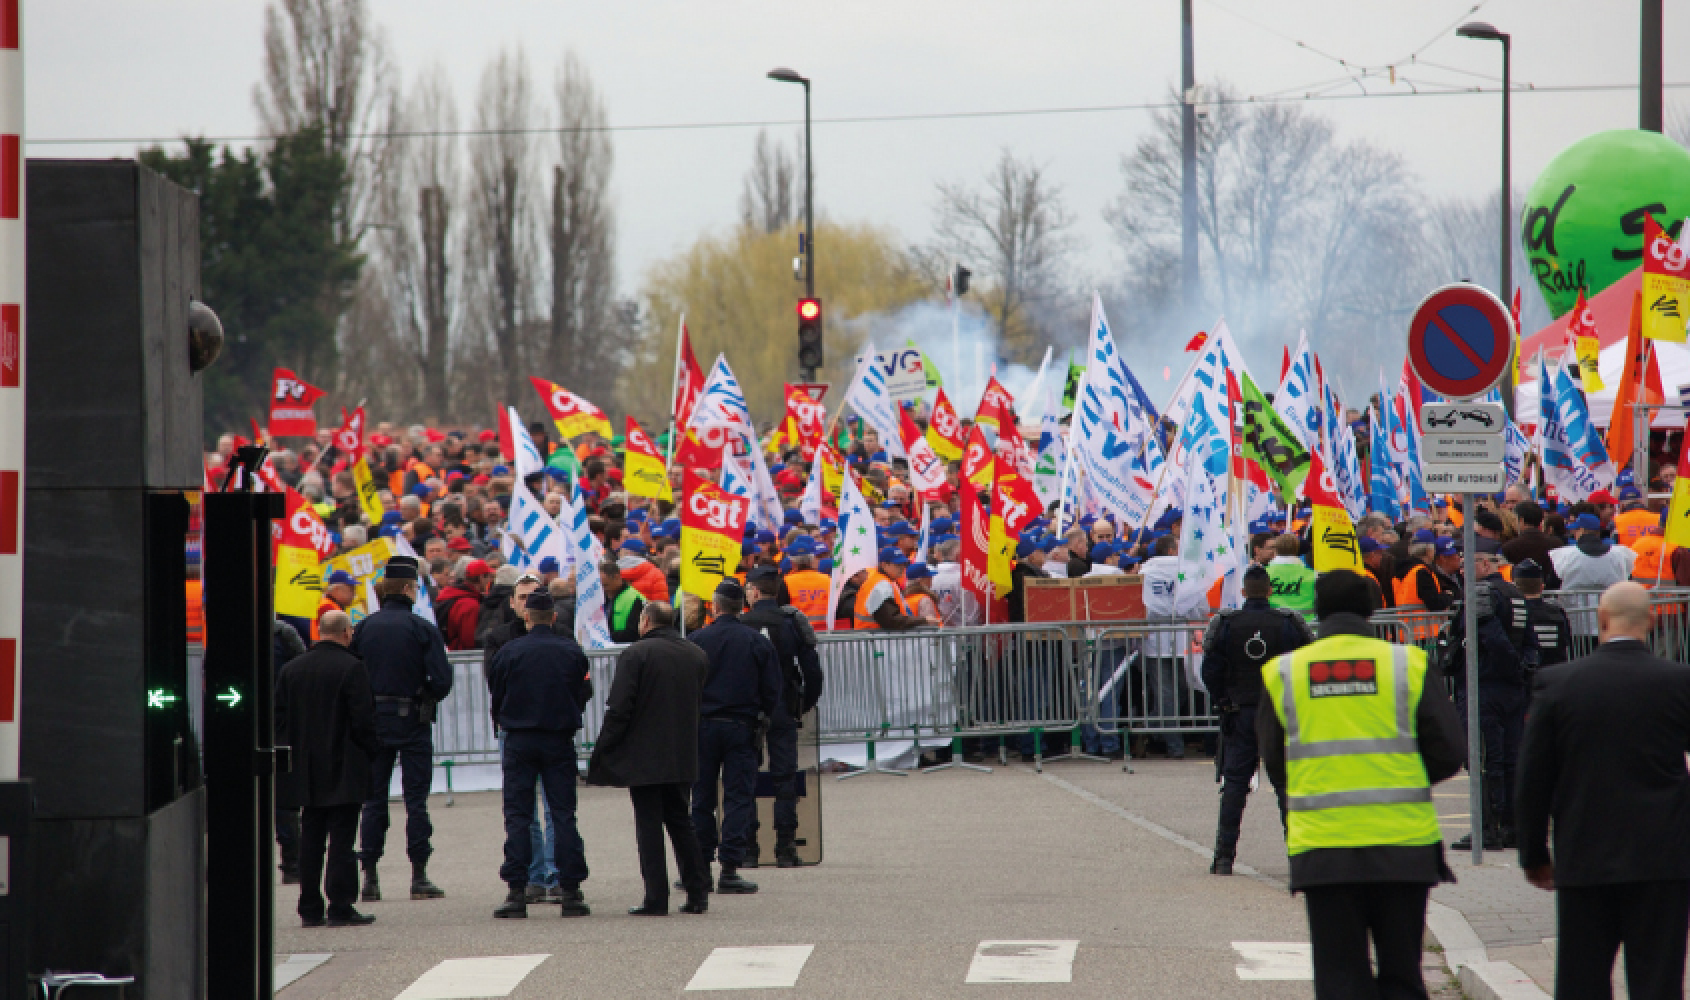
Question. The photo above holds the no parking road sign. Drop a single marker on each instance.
(1460, 341)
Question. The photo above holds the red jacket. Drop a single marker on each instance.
(648, 580)
(457, 610)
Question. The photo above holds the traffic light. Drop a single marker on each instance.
(959, 280)
(810, 334)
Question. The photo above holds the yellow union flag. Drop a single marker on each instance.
(1332, 531)
(369, 490)
(299, 582)
(642, 473)
(712, 531)
(1666, 284)
(365, 563)
(1678, 514)
(1000, 553)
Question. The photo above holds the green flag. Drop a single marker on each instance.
(1071, 391)
(1270, 443)
(931, 370)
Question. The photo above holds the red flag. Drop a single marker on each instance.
(689, 380)
(290, 405)
(944, 430)
(927, 472)
(257, 431)
(1196, 343)
(507, 442)
(997, 406)
(349, 437)
(1285, 363)
(975, 546)
(806, 421)
(977, 459)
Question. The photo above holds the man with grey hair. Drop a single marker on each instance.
(352, 536)
(1604, 757)
(956, 605)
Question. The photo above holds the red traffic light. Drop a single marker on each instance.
(809, 309)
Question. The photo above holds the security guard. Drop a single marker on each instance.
(742, 689)
(801, 686)
(1549, 622)
(1357, 733)
(537, 685)
(409, 675)
(1235, 646)
(1292, 580)
(806, 589)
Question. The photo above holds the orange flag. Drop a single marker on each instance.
(1639, 383)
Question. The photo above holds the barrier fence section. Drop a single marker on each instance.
(1139, 678)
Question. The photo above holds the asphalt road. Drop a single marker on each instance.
(919, 872)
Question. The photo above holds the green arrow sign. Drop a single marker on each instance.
(159, 698)
(231, 698)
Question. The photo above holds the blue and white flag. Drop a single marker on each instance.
(1298, 397)
(854, 547)
(810, 504)
(765, 499)
(926, 537)
(1205, 547)
(721, 401)
(1109, 426)
(1344, 462)
(528, 457)
(540, 535)
(1575, 461)
(1052, 460)
(868, 396)
(592, 630)
(1382, 497)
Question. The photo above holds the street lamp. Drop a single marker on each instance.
(807, 242)
(1488, 33)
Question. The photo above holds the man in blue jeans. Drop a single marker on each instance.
(740, 692)
(539, 683)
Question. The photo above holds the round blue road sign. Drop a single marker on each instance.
(1460, 341)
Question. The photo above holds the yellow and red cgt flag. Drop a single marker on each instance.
(927, 472)
(712, 531)
(1014, 503)
(300, 543)
(997, 406)
(806, 421)
(689, 378)
(349, 441)
(1332, 533)
(1584, 344)
(944, 430)
(1678, 512)
(977, 459)
(573, 415)
(1666, 284)
(642, 467)
(833, 469)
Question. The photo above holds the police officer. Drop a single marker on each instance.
(743, 688)
(537, 685)
(801, 686)
(1549, 622)
(406, 660)
(1357, 733)
(1235, 646)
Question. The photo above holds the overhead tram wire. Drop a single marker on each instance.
(1278, 97)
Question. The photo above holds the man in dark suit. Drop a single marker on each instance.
(649, 744)
(326, 713)
(1604, 755)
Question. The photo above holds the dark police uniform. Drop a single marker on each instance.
(1507, 654)
(1235, 646)
(1547, 620)
(744, 684)
(406, 660)
(538, 684)
(801, 676)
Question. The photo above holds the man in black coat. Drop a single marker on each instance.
(801, 688)
(649, 744)
(1604, 755)
(325, 712)
(538, 684)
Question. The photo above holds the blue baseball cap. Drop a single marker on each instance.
(1166, 521)
(501, 470)
(549, 565)
(1587, 522)
(942, 525)
(1425, 535)
(918, 571)
(803, 545)
(341, 577)
(765, 538)
(894, 556)
(1025, 547)
(1102, 551)
(902, 528)
(1048, 542)
(1447, 547)
(747, 548)
(634, 545)
(793, 516)
(1368, 544)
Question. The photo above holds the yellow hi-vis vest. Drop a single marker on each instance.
(1354, 777)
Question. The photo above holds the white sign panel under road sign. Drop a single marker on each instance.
(1462, 418)
(906, 379)
(1463, 478)
(1451, 449)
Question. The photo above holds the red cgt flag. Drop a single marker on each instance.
(997, 406)
(689, 379)
(290, 405)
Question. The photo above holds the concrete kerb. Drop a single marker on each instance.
(1463, 952)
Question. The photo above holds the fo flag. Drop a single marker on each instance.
(643, 474)
(1271, 443)
(573, 415)
(1666, 284)
(712, 530)
(1332, 533)
(944, 430)
(927, 473)
(290, 405)
(301, 543)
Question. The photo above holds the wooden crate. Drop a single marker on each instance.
(1088, 599)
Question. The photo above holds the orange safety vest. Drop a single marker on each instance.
(924, 607)
(1629, 526)
(860, 616)
(196, 614)
(1653, 556)
(1407, 595)
(809, 591)
(324, 606)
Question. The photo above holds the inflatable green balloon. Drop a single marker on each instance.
(1583, 220)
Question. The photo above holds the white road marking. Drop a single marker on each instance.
(767, 967)
(1281, 960)
(473, 978)
(1023, 962)
(295, 968)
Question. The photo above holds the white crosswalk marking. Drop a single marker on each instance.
(1023, 962)
(473, 978)
(769, 967)
(1280, 960)
(295, 968)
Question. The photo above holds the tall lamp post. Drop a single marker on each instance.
(1486, 32)
(806, 242)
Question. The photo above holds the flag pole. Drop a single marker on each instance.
(674, 386)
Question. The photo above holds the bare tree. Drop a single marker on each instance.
(579, 352)
(769, 201)
(503, 216)
(1017, 231)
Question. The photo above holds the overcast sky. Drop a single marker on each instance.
(162, 68)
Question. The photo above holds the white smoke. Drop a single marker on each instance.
(966, 353)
